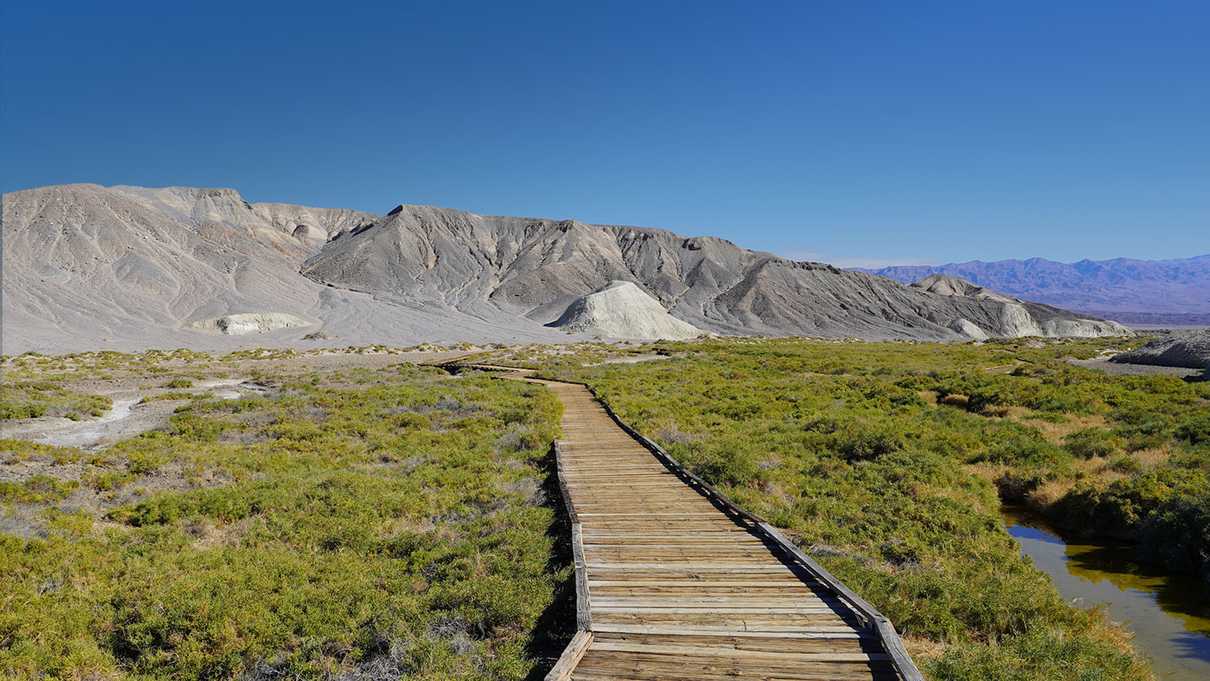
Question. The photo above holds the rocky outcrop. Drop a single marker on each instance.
(129, 268)
(969, 329)
(249, 322)
(944, 285)
(622, 310)
(1189, 349)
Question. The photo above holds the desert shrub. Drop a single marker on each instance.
(1125, 463)
(333, 546)
(732, 469)
(1019, 445)
(1015, 486)
(1120, 508)
(1086, 651)
(1091, 442)
(991, 400)
(1195, 429)
(956, 400)
(1177, 533)
(862, 441)
(36, 489)
(34, 399)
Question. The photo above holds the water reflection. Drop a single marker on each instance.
(1169, 614)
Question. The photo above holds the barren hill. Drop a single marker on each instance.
(87, 266)
(623, 310)
(535, 268)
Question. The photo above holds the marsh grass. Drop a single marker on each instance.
(352, 523)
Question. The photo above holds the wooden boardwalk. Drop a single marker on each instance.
(674, 582)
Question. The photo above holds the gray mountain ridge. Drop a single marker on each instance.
(127, 267)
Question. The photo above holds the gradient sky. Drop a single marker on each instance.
(859, 133)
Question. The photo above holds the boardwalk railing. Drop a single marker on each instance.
(871, 618)
(579, 643)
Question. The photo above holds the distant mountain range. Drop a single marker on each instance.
(1154, 292)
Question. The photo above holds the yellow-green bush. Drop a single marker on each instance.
(372, 523)
(841, 444)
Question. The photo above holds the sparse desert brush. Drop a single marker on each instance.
(33, 399)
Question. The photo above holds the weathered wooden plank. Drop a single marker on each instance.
(571, 657)
(563, 489)
(760, 583)
(697, 567)
(715, 609)
(583, 608)
(711, 651)
(823, 632)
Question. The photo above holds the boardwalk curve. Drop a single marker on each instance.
(673, 581)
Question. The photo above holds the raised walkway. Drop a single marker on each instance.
(676, 582)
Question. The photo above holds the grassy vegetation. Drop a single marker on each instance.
(889, 461)
(369, 518)
(384, 522)
(34, 399)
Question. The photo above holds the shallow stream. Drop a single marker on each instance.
(1169, 614)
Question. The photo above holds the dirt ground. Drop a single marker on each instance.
(1122, 369)
(133, 412)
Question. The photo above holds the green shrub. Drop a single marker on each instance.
(1092, 442)
(1195, 429)
(1125, 463)
(1020, 445)
(1177, 534)
(34, 399)
(857, 441)
(329, 540)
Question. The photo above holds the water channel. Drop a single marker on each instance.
(1169, 614)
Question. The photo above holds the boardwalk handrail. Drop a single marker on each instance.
(583, 638)
(870, 615)
(583, 614)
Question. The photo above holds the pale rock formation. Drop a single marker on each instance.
(969, 329)
(249, 322)
(622, 310)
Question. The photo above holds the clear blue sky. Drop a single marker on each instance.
(847, 131)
